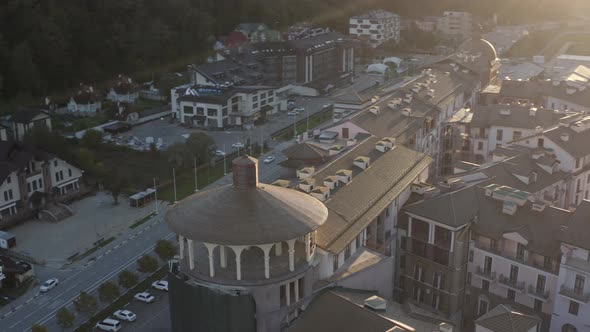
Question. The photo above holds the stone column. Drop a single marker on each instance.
(238, 251)
(181, 246)
(291, 244)
(191, 255)
(266, 248)
(278, 248)
(296, 290)
(222, 257)
(288, 293)
(307, 247)
(211, 250)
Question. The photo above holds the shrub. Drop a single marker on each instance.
(108, 291)
(127, 279)
(165, 250)
(65, 318)
(86, 303)
(147, 264)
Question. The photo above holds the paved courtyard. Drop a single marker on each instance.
(95, 217)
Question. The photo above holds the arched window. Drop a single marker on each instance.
(569, 328)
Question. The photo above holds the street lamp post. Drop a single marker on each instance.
(307, 111)
(156, 196)
(196, 180)
(174, 183)
(224, 165)
(295, 126)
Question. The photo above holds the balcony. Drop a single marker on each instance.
(574, 295)
(485, 274)
(512, 284)
(487, 247)
(538, 294)
(426, 250)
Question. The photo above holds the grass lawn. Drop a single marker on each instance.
(314, 121)
(144, 104)
(142, 221)
(90, 251)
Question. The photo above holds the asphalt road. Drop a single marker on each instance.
(41, 308)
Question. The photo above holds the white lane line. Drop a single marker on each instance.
(108, 276)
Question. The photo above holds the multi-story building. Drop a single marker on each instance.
(31, 178)
(455, 25)
(375, 27)
(223, 106)
(495, 125)
(570, 310)
(25, 120)
(568, 142)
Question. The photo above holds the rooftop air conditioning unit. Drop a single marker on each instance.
(376, 303)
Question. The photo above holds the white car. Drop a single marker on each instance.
(125, 315)
(109, 325)
(269, 159)
(300, 109)
(327, 106)
(49, 285)
(238, 145)
(293, 113)
(219, 153)
(160, 285)
(144, 297)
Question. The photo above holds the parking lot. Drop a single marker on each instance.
(151, 317)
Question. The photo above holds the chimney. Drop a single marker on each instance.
(533, 111)
(538, 206)
(565, 137)
(445, 327)
(245, 172)
(538, 154)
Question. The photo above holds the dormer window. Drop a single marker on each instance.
(533, 177)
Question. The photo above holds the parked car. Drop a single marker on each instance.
(238, 145)
(125, 315)
(327, 106)
(300, 109)
(109, 325)
(144, 297)
(49, 285)
(293, 113)
(220, 153)
(269, 159)
(160, 285)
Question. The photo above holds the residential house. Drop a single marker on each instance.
(14, 273)
(375, 27)
(25, 120)
(86, 102)
(123, 91)
(30, 177)
(223, 106)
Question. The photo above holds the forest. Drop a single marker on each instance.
(50, 46)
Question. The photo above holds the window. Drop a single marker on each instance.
(485, 285)
(471, 256)
(69, 172)
(255, 98)
(10, 194)
(511, 295)
(6, 195)
(436, 301)
(494, 244)
(29, 187)
(55, 163)
(516, 134)
(8, 179)
(387, 212)
(540, 142)
(417, 272)
(187, 110)
(262, 102)
(211, 112)
(579, 284)
(541, 279)
(569, 328)
(578, 161)
(34, 185)
(40, 183)
(57, 176)
(547, 262)
(538, 305)
(200, 111)
(402, 261)
(436, 280)
(513, 273)
(270, 99)
(574, 307)
(263, 95)
(487, 265)
(480, 145)
(499, 134)
(578, 185)
(335, 262)
(587, 179)
(468, 278)
(255, 105)
(520, 251)
(482, 133)
(482, 307)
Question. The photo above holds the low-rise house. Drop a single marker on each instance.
(30, 178)
(123, 91)
(25, 120)
(223, 106)
(258, 32)
(86, 102)
(16, 273)
(505, 319)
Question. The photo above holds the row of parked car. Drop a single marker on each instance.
(114, 324)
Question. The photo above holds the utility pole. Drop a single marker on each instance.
(174, 183)
(307, 111)
(295, 126)
(196, 180)
(261, 141)
(224, 165)
(156, 196)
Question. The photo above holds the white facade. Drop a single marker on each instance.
(484, 143)
(19, 130)
(90, 108)
(130, 97)
(9, 195)
(375, 27)
(455, 25)
(64, 177)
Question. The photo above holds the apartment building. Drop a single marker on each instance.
(570, 310)
(496, 125)
(375, 27)
(223, 106)
(31, 178)
(569, 143)
(455, 25)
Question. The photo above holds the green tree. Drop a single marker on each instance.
(92, 138)
(114, 183)
(85, 303)
(25, 75)
(108, 291)
(147, 264)
(65, 318)
(38, 328)
(127, 279)
(165, 249)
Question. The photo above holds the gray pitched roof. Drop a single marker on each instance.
(519, 117)
(578, 228)
(26, 115)
(352, 207)
(503, 319)
(471, 205)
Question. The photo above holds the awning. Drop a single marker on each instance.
(67, 183)
(7, 206)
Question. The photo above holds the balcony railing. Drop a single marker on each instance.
(527, 259)
(542, 295)
(512, 284)
(428, 251)
(485, 274)
(575, 295)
